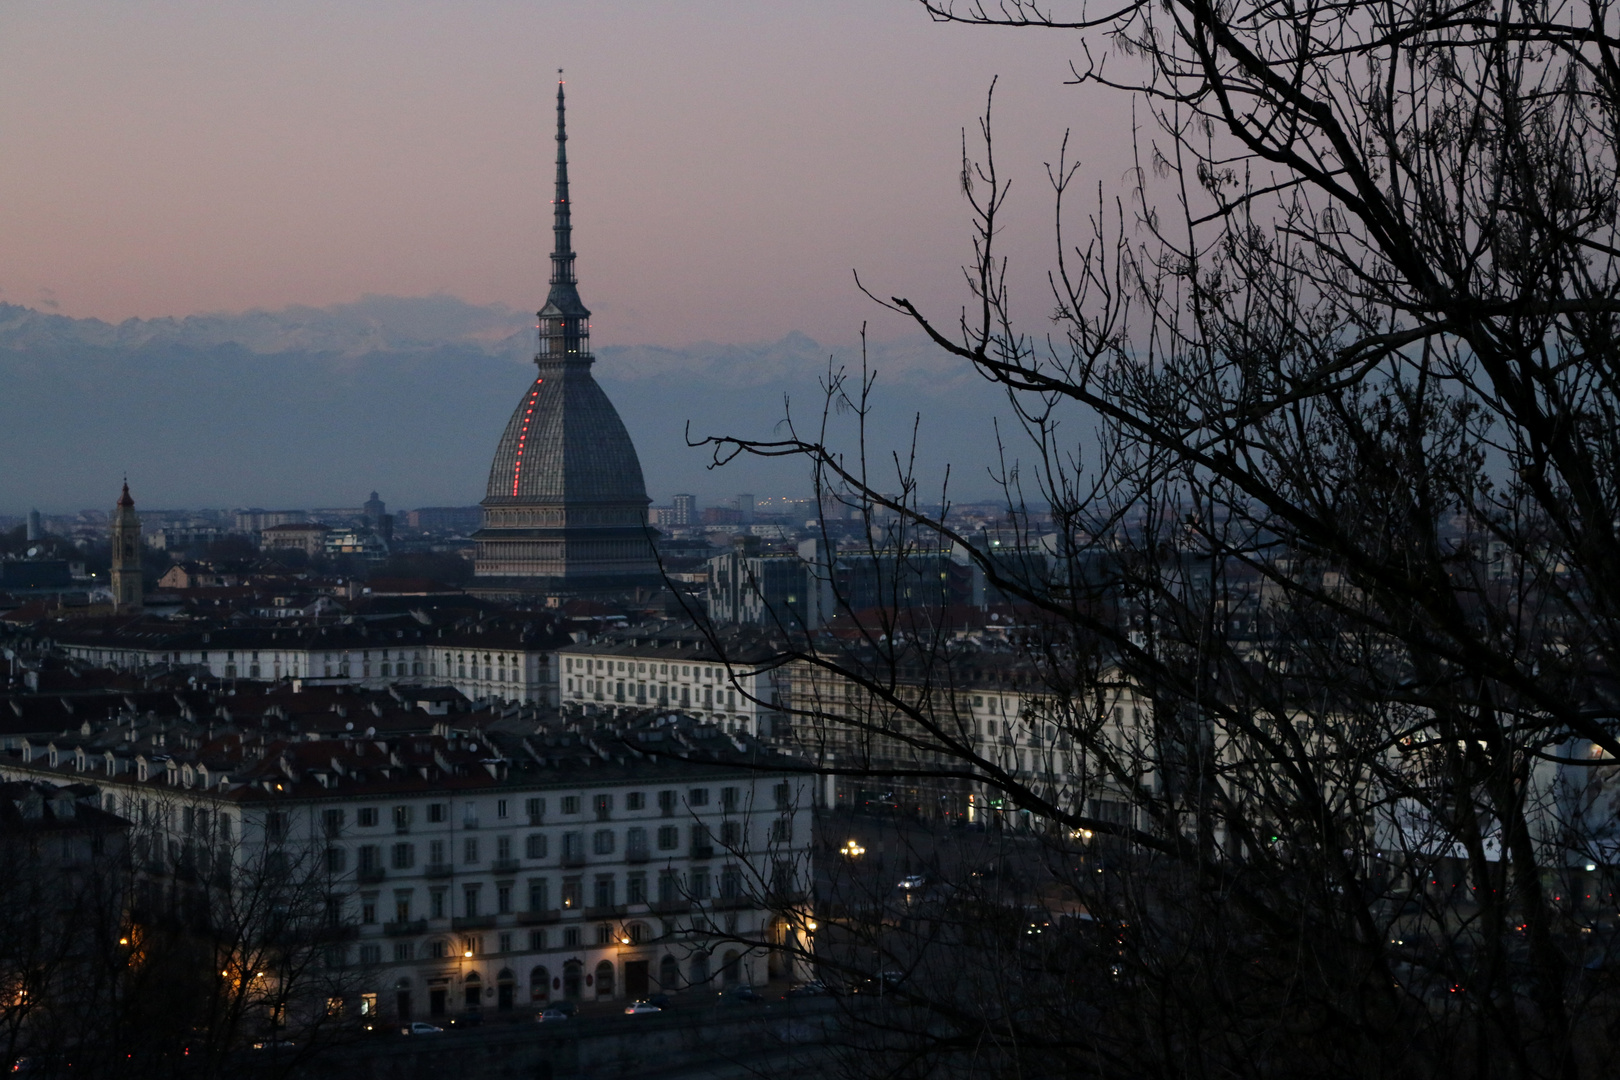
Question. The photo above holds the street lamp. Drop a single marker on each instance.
(851, 850)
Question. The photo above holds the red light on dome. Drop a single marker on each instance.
(523, 436)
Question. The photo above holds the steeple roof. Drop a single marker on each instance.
(563, 299)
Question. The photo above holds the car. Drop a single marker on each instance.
(420, 1027)
(814, 988)
(745, 994)
(638, 1008)
(913, 882)
(551, 1014)
(274, 1044)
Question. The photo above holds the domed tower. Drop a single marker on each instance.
(566, 507)
(127, 593)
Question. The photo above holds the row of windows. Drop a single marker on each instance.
(633, 667)
(402, 855)
(539, 940)
(602, 892)
(669, 800)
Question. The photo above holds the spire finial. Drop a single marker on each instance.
(562, 254)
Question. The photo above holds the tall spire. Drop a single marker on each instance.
(565, 328)
(562, 255)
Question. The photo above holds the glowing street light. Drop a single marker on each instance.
(851, 850)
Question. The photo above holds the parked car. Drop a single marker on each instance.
(420, 1027)
(637, 1008)
(552, 1013)
(814, 988)
(745, 994)
(912, 883)
(274, 1044)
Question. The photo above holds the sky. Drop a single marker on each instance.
(733, 162)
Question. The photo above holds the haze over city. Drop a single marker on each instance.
(735, 163)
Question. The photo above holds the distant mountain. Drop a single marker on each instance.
(407, 395)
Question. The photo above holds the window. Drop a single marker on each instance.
(635, 800)
(534, 846)
(571, 938)
(604, 807)
(503, 849)
(666, 803)
(469, 900)
(500, 808)
(335, 858)
(698, 880)
(781, 830)
(635, 842)
(505, 941)
(536, 809)
(436, 852)
(602, 842)
(573, 847)
(370, 858)
(369, 954)
(731, 884)
(436, 812)
(570, 804)
(275, 826)
(366, 816)
(669, 887)
(635, 889)
(469, 850)
(403, 856)
(731, 834)
(539, 898)
(537, 943)
(669, 838)
(437, 903)
(402, 951)
(503, 904)
(728, 799)
(368, 909)
(698, 796)
(332, 822)
(402, 819)
(402, 905)
(571, 894)
(604, 892)
(784, 797)
(441, 949)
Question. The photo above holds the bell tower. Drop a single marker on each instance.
(126, 556)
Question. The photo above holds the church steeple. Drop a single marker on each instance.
(565, 327)
(127, 593)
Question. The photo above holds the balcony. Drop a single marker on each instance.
(612, 911)
(636, 855)
(670, 907)
(370, 875)
(409, 928)
(438, 870)
(473, 922)
(504, 866)
(532, 918)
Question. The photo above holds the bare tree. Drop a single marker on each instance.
(1317, 480)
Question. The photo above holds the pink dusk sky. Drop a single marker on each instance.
(732, 161)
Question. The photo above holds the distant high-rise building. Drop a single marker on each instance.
(566, 506)
(745, 509)
(685, 507)
(33, 526)
(374, 510)
(127, 593)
